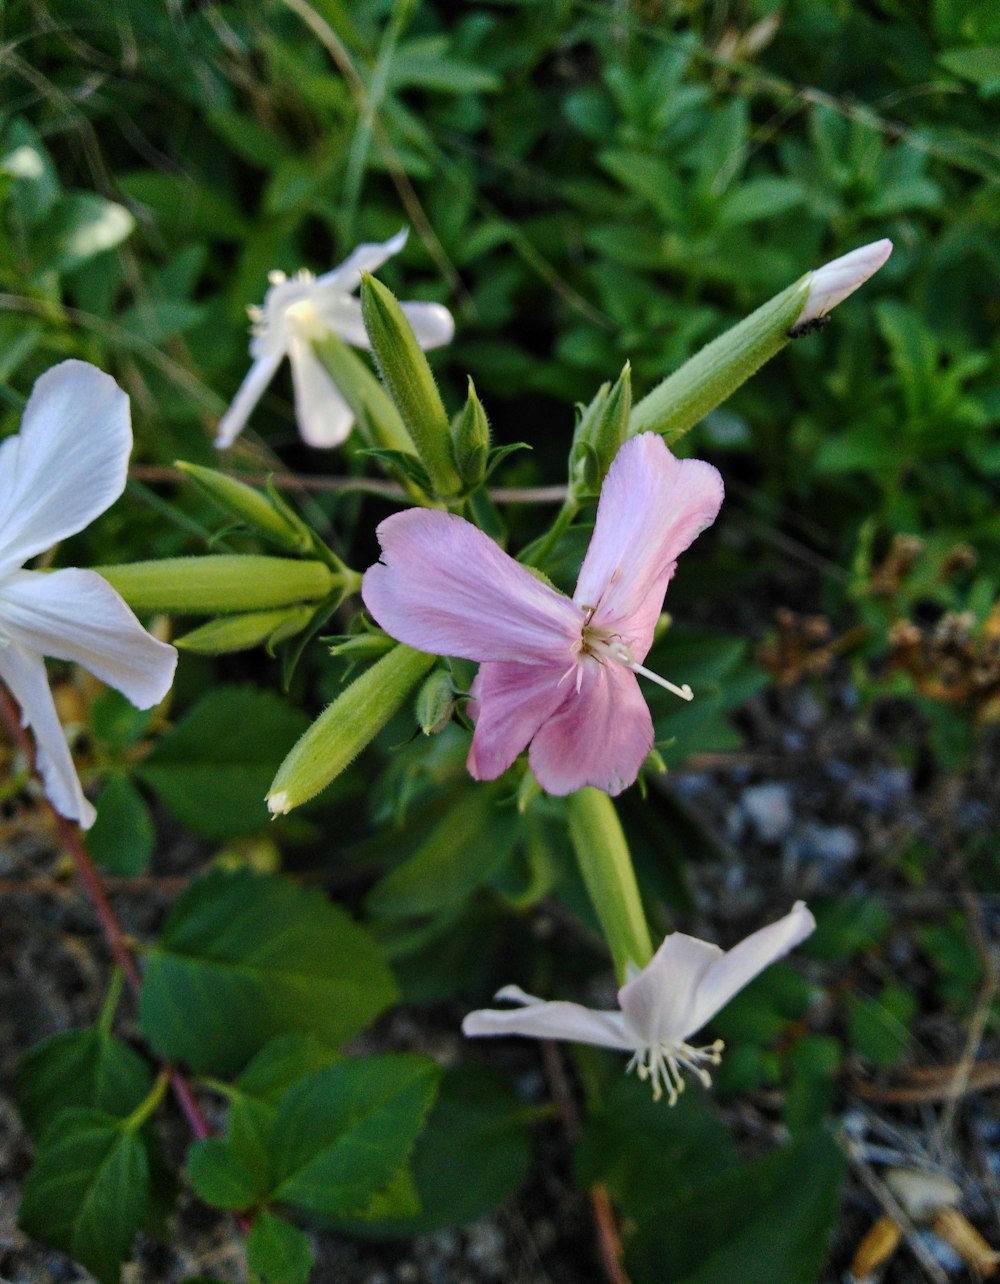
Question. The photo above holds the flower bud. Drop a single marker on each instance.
(377, 418)
(408, 377)
(834, 281)
(345, 727)
(219, 584)
(435, 703)
(275, 523)
(470, 435)
(242, 632)
(599, 436)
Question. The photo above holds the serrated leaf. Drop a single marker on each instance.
(88, 1191)
(278, 1252)
(344, 1132)
(76, 1069)
(214, 768)
(244, 958)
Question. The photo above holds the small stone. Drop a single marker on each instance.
(769, 810)
(832, 844)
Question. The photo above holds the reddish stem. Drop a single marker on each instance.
(69, 836)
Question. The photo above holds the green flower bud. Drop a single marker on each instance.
(599, 435)
(278, 524)
(435, 703)
(411, 385)
(470, 434)
(345, 727)
(377, 418)
(220, 584)
(243, 632)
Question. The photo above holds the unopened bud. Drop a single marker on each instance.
(377, 418)
(834, 281)
(435, 703)
(600, 434)
(273, 521)
(470, 435)
(221, 584)
(242, 632)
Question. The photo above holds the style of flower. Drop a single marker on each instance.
(303, 308)
(64, 468)
(683, 986)
(832, 283)
(559, 673)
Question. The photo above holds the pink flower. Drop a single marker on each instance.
(556, 672)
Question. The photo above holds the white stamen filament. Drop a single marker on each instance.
(662, 1064)
(598, 644)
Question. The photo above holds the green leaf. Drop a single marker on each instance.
(213, 769)
(779, 1209)
(344, 1132)
(636, 1148)
(278, 1252)
(472, 1156)
(845, 928)
(879, 1027)
(122, 837)
(80, 226)
(80, 1068)
(88, 1191)
(980, 64)
(244, 958)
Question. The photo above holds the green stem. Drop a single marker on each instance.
(145, 1108)
(564, 518)
(606, 866)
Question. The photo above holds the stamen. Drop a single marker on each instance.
(621, 653)
(662, 1064)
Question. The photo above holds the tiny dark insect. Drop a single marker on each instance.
(808, 327)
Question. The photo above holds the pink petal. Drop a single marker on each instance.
(600, 736)
(652, 507)
(738, 966)
(511, 702)
(443, 586)
(660, 1002)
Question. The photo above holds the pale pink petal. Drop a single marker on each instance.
(77, 616)
(511, 701)
(834, 281)
(69, 463)
(24, 673)
(323, 416)
(369, 257)
(660, 1001)
(599, 736)
(540, 1020)
(652, 507)
(736, 968)
(249, 393)
(443, 586)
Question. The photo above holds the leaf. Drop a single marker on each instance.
(979, 63)
(344, 1132)
(80, 1068)
(214, 768)
(244, 958)
(636, 1148)
(472, 1156)
(122, 837)
(88, 1191)
(779, 1209)
(278, 1252)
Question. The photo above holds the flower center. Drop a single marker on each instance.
(604, 646)
(662, 1064)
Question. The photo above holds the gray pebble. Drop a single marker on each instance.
(769, 810)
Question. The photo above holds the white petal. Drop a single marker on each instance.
(660, 1002)
(77, 616)
(248, 394)
(432, 323)
(540, 1020)
(24, 673)
(834, 281)
(738, 967)
(323, 416)
(365, 258)
(68, 463)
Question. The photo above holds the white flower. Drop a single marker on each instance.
(65, 467)
(834, 281)
(302, 308)
(680, 989)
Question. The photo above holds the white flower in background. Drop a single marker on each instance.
(834, 281)
(64, 468)
(302, 308)
(680, 989)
